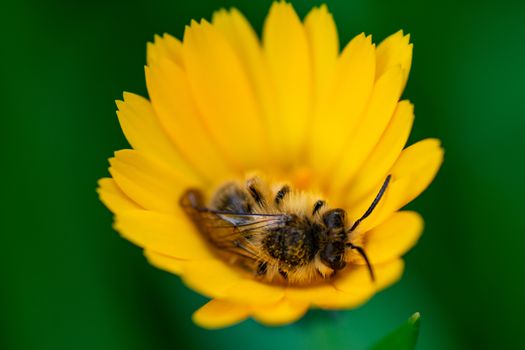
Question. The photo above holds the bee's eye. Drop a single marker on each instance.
(332, 256)
(334, 218)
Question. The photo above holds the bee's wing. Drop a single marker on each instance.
(228, 231)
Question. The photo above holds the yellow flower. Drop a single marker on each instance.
(291, 107)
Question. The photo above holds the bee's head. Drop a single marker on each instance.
(333, 244)
(332, 254)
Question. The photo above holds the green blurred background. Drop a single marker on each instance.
(68, 281)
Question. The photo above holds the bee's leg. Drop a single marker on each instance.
(256, 194)
(262, 268)
(283, 274)
(281, 193)
(317, 206)
(373, 205)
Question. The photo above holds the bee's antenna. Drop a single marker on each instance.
(373, 205)
(361, 252)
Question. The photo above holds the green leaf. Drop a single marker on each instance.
(403, 338)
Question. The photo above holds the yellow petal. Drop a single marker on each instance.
(311, 293)
(254, 292)
(413, 171)
(175, 106)
(326, 296)
(144, 133)
(151, 184)
(346, 300)
(219, 314)
(113, 197)
(357, 278)
(281, 313)
(395, 50)
(341, 110)
(392, 238)
(166, 47)
(380, 109)
(243, 39)
(163, 233)
(223, 95)
(287, 54)
(374, 171)
(419, 162)
(165, 262)
(210, 277)
(323, 41)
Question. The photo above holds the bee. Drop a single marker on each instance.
(276, 233)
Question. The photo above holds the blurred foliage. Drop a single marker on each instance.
(70, 282)
(403, 338)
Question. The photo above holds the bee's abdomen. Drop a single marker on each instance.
(231, 197)
(293, 245)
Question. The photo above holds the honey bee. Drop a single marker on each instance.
(276, 233)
